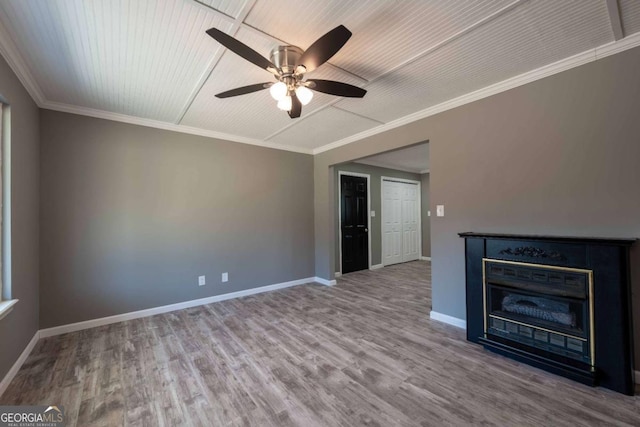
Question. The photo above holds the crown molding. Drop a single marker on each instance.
(618, 46)
(124, 118)
(10, 53)
(513, 82)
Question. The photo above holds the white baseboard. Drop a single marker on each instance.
(425, 258)
(16, 366)
(324, 281)
(72, 327)
(445, 318)
(338, 274)
(376, 266)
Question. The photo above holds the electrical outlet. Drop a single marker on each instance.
(201, 281)
(225, 277)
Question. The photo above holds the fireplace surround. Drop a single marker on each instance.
(562, 304)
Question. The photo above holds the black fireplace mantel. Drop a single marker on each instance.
(608, 261)
(559, 239)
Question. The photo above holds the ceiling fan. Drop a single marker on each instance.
(288, 64)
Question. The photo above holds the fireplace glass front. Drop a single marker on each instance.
(546, 309)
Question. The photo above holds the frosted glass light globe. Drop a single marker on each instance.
(304, 94)
(285, 103)
(278, 91)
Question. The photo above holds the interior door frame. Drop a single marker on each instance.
(359, 175)
(407, 181)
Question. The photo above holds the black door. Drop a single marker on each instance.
(353, 212)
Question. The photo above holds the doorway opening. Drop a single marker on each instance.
(403, 167)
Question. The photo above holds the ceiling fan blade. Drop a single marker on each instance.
(296, 107)
(336, 88)
(243, 90)
(242, 50)
(324, 48)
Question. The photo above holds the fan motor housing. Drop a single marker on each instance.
(286, 58)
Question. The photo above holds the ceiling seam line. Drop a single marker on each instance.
(311, 114)
(208, 8)
(324, 107)
(613, 9)
(359, 115)
(235, 27)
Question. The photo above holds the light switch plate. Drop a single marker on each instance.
(373, 214)
(428, 213)
(440, 210)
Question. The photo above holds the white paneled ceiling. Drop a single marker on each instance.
(511, 44)
(385, 33)
(138, 58)
(150, 61)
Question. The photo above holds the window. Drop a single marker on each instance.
(6, 303)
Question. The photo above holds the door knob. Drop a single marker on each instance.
(366, 230)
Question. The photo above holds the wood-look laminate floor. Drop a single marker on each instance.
(361, 353)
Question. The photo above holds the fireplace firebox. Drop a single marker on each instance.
(561, 304)
(544, 307)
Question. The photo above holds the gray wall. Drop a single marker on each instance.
(426, 220)
(376, 204)
(17, 329)
(131, 216)
(556, 156)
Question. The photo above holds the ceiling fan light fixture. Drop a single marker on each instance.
(289, 64)
(285, 103)
(304, 94)
(278, 91)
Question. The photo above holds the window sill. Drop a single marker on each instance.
(6, 307)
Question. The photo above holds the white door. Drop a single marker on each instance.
(410, 212)
(392, 223)
(400, 222)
